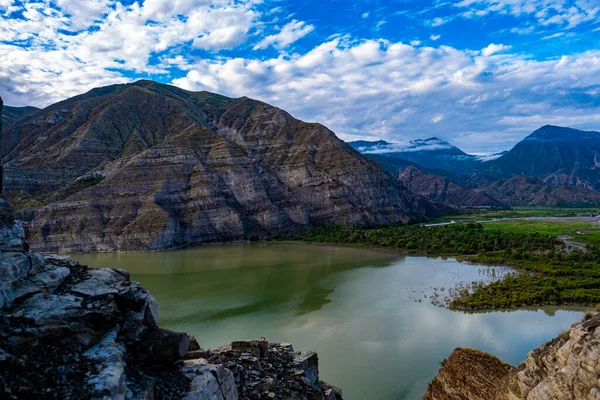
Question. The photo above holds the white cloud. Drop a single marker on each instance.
(108, 36)
(494, 48)
(415, 43)
(567, 13)
(553, 36)
(483, 99)
(430, 144)
(435, 37)
(365, 15)
(290, 33)
(438, 21)
(522, 31)
(376, 89)
(83, 13)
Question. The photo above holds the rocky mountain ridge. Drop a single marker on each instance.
(565, 368)
(72, 332)
(443, 190)
(146, 166)
(515, 191)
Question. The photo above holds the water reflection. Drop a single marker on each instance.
(359, 309)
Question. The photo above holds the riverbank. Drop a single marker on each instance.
(548, 274)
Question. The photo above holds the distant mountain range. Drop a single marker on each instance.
(443, 190)
(147, 166)
(516, 191)
(552, 166)
(127, 157)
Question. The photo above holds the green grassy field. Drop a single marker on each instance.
(590, 234)
(521, 212)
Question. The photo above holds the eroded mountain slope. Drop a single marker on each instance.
(147, 166)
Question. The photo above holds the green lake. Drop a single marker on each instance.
(358, 308)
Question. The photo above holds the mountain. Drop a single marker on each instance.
(528, 191)
(433, 153)
(147, 166)
(443, 190)
(516, 191)
(556, 155)
(10, 115)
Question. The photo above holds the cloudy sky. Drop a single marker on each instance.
(481, 74)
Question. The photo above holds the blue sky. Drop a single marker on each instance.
(481, 74)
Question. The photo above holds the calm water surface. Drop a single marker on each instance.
(357, 308)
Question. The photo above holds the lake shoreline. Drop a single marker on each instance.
(470, 259)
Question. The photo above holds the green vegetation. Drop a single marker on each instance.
(581, 232)
(514, 220)
(474, 215)
(547, 274)
(451, 239)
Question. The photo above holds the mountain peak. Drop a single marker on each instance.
(434, 139)
(561, 133)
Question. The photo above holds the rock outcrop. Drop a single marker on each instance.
(147, 166)
(565, 368)
(72, 332)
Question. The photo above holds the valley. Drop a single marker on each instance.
(368, 253)
(300, 200)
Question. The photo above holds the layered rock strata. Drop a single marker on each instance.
(147, 166)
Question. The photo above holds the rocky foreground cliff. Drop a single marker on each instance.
(147, 166)
(565, 368)
(72, 332)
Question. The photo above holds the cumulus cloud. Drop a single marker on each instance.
(41, 63)
(547, 12)
(494, 48)
(290, 33)
(381, 90)
(483, 99)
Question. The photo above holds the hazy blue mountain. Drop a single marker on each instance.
(432, 153)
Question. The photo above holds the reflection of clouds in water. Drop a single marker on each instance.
(373, 307)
